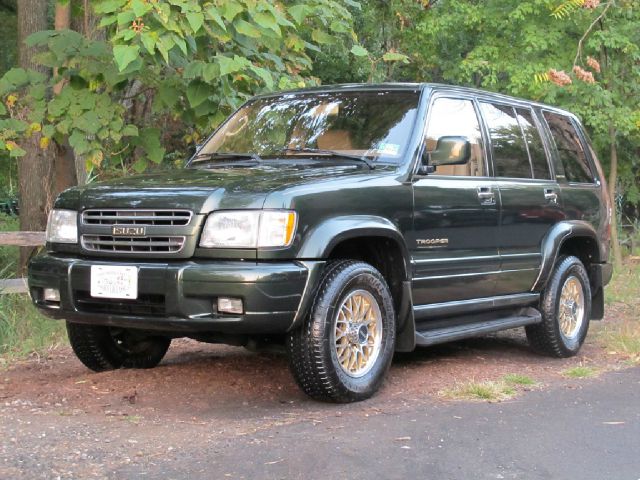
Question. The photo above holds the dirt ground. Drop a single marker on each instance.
(59, 420)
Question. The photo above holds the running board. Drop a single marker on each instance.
(458, 332)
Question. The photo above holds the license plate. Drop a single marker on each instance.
(114, 282)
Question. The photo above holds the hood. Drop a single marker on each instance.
(205, 189)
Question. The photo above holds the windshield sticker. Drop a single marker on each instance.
(389, 148)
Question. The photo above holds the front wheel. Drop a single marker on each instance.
(103, 348)
(344, 348)
(565, 308)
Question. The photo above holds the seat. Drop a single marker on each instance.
(335, 140)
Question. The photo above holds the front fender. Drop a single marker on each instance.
(324, 237)
(553, 241)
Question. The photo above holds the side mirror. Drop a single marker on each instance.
(451, 151)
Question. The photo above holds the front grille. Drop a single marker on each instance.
(136, 217)
(144, 305)
(108, 243)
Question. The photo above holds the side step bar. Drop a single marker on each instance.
(458, 332)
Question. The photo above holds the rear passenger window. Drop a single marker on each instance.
(510, 156)
(570, 152)
(456, 118)
(534, 144)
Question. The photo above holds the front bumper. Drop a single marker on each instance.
(179, 296)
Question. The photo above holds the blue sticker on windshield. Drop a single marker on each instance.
(389, 148)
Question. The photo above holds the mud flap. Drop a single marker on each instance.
(406, 333)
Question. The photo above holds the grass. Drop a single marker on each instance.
(517, 379)
(24, 331)
(623, 337)
(624, 286)
(491, 391)
(580, 372)
(8, 255)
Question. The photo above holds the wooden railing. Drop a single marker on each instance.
(19, 239)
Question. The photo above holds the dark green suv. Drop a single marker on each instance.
(345, 222)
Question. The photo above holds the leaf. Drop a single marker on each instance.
(267, 20)
(395, 57)
(130, 131)
(195, 19)
(78, 142)
(88, 122)
(231, 9)
(320, 36)
(182, 45)
(245, 28)
(125, 54)
(210, 71)
(17, 152)
(193, 70)
(231, 65)
(40, 38)
(299, 12)
(140, 165)
(213, 13)
(109, 6)
(197, 92)
(167, 95)
(149, 41)
(265, 75)
(95, 157)
(359, 51)
(16, 77)
(140, 7)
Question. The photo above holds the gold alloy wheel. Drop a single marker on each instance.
(357, 334)
(571, 309)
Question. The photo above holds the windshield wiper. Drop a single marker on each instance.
(238, 155)
(333, 153)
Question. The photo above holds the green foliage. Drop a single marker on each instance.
(512, 47)
(185, 62)
(8, 254)
(24, 331)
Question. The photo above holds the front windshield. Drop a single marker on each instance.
(371, 124)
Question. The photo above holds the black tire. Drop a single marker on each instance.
(547, 337)
(102, 348)
(312, 356)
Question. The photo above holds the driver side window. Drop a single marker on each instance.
(452, 117)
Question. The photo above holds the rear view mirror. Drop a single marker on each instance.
(451, 151)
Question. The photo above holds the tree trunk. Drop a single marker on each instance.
(35, 169)
(65, 165)
(613, 180)
(62, 22)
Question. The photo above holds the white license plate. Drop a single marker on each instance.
(114, 282)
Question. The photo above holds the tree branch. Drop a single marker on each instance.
(588, 31)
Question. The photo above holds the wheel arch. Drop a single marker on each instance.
(575, 238)
(377, 241)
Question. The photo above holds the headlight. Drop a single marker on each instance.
(62, 226)
(249, 229)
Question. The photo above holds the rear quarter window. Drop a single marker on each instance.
(571, 153)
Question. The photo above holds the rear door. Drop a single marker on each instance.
(530, 199)
(454, 239)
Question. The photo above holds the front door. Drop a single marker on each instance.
(454, 242)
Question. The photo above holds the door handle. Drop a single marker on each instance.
(551, 195)
(486, 196)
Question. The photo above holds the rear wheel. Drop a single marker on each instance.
(344, 349)
(565, 308)
(103, 348)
